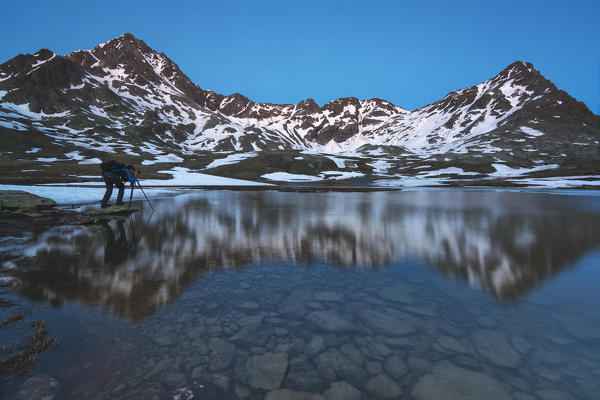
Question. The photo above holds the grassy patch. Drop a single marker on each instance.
(31, 338)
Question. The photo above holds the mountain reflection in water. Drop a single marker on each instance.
(506, 243)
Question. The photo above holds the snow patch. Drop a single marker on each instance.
(530, 131)
(230, 159)
(287, 177)
(506, 171)
(340, 174)
(184, 177)
(90, 161)
(380, 166)
(449, 170)
(167, 158)
(339, 162)
(74, 155)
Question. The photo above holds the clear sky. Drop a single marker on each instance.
(408, 52)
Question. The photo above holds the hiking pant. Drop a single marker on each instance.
(109, 180)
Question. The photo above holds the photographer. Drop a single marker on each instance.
(115, 173)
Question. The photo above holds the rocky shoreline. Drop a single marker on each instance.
(274, 337)
(21, 211)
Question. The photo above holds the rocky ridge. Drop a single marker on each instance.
(124, 97)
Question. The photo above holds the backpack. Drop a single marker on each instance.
(111, 166)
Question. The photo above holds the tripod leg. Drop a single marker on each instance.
(142, 189)
(131, 196)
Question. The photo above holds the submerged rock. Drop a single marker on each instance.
(495, 348)
(38, 387)
(267, 371)
(328, 296)
(383, 387)
(222, 354)
(388, 323)
(341, 366)
(330, 321)
(395, 366)
(397, 294)
(451, 344)
(183, 393)
(315, 346)
(302, 375)
(287, 394)
(342, 391)
(449, 382)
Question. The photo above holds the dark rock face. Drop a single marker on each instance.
(124, 89)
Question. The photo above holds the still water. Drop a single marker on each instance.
(247, 295)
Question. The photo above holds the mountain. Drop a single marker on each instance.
(122, 97)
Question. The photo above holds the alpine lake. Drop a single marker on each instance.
(217, 294)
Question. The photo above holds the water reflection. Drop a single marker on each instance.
(505, 243)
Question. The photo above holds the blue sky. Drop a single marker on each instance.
(410, 53)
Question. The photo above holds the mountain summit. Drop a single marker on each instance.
(122, 93)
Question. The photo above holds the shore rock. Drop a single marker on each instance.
(18, 199)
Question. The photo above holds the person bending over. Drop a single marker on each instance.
(115, 173)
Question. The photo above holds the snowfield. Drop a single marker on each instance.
(81, 195)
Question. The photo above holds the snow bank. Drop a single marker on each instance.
(78, 195)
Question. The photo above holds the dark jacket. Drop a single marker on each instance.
(123, 173)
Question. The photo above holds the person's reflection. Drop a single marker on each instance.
(120, 249)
